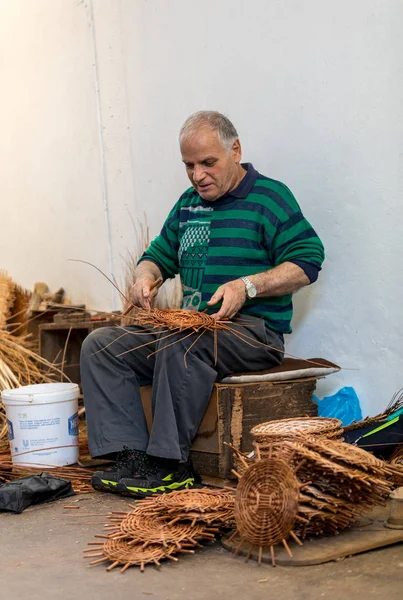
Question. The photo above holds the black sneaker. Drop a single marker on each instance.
(158, 477)
(129, 463)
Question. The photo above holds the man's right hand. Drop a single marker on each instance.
(141, 293)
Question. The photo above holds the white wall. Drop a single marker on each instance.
(315, 91)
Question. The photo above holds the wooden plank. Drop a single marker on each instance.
(358, 539)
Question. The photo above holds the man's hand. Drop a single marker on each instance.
(142, 293)
(233, 296)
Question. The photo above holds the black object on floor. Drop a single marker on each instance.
(17, 495)
(381, 439)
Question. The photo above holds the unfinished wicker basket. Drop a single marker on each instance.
(119, 553)
(266, 506)
(285, 428)
(140, 529)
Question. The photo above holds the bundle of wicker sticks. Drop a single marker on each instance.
(394, 405)
(161, 527)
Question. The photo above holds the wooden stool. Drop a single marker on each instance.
(235, 407)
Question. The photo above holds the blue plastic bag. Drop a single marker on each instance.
(343, 405)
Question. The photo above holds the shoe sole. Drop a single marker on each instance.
(102, 485)
(138, 492)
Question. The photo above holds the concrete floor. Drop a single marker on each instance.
(41, 558)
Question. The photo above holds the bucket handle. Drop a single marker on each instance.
(29, 400)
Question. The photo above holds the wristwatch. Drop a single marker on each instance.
(250, 288)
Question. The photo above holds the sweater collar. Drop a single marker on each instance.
(241, 191)
(247, 183)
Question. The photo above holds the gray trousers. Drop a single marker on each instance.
(112, 371)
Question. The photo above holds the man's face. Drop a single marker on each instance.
(212, 169)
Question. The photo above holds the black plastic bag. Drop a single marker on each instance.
(17, 495)
(382, 438)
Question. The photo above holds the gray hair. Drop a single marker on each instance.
(226, 132)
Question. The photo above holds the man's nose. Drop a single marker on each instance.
(198, 173)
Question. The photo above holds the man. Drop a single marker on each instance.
(242, 247)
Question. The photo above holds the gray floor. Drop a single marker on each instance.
(41, 558)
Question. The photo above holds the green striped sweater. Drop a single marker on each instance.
(254, 228)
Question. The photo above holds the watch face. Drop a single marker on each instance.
(251, 291)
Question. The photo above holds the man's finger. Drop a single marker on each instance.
(224, 311)
(146, 290)
(216, 296)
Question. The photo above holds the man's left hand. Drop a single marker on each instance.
(233, 296)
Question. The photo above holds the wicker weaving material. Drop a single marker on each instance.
(318, 426)
(118, 552)
(353, 482)
(7, 296)
(198, 500)
(397, 456)
(266, 503)
(177, 319)
(140, 529)
(161, 526)
(340, 482)
(346, 453)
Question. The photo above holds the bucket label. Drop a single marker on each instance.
(39, 423)
(10, 430)
(73, 425)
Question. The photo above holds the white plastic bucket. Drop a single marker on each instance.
(42, 424)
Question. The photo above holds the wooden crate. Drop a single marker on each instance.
(53, 338)
(232, 412)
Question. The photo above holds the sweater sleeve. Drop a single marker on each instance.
(163, 250)
(295, 239)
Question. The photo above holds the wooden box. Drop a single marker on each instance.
(58, 340)
(232, 412)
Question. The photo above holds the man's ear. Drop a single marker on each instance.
(237, 151)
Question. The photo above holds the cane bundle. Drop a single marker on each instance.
(394, 405)
(7, 297)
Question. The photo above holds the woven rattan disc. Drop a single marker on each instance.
(197, 500)
(140, 529)
(302, 425)
(266, 503)
(218, 518)
(345, 453)
(118, 552)
(173, 318)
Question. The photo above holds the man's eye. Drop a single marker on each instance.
(209, 163)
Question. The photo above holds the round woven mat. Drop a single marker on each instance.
(142, 529)
(120, 553)
(196, 500)
(345, 453)
(266, 502)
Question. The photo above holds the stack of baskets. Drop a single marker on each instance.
(341, 481)
(163, 526)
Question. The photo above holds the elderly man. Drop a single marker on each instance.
(241, 246)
